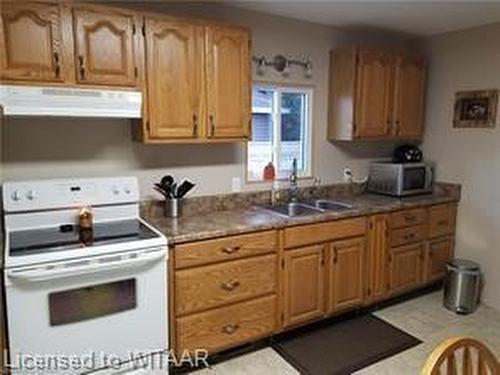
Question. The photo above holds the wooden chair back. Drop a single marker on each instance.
(461, 355)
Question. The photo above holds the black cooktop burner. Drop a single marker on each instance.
(69, 237)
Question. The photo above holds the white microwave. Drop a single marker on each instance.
(400, 179)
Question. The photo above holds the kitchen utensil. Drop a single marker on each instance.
(184, 188)
(166, 193)
(167, 180)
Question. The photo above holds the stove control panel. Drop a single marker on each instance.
(40, 195)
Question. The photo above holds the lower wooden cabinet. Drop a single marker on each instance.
(439, 251)
(377, 282)
(221, 328)
(405, 267)
(303, 284)
(346, 279)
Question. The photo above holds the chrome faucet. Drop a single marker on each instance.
(294, 188)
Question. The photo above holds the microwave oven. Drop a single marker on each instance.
(400, 179)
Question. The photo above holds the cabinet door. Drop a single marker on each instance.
(347, 274)
(405, 267)
(304, 284)
(438, 253)
(373, 94)
(409, 96)
(104, 47)
(228, 82)
(173, 78)
(30, 37)
(377, 285)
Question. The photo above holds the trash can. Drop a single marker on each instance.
(462, 286)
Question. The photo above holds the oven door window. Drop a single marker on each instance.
(76, 305)
(414, 178)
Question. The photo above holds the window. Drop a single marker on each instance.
(281, 131)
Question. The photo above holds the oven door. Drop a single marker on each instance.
(81, 316)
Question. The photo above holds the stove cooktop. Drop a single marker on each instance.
(70, 237)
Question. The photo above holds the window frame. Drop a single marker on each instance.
(278, 89)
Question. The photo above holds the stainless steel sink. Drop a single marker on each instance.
(330, 205)
(295, 209)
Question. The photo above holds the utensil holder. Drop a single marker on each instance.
(173, 207)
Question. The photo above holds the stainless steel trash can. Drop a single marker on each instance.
(462, 286)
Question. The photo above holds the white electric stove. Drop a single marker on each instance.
(83, 301)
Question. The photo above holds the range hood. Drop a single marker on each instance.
(72, 102)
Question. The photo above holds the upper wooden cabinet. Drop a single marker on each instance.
(375, 94)
(198, 82)
(104, 46)
(409, 90)
(31, 42)
(228, 82)
(173, 75)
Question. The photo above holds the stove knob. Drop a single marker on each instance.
(31, 195)
(16, 196)
(127, 190)
(115, 190)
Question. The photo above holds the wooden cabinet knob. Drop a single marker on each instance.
(230, 249)
(195, 124)
(409, 218)
(82, 66)
(57, 66)
(230, 285)
(212, 124)
(230, 328)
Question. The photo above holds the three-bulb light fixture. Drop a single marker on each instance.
(282, 65)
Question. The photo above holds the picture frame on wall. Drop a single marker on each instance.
(475, 109)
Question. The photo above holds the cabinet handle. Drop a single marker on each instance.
(230, 285)
(230, 249)
(230, 328)
(212, 125)
(409, 236)
(335, 255)
(442, 222)
(409, 218)
(82, 67)
(57, 66)
(195, 124)
(368, 292)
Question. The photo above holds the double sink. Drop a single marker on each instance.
(291, 209)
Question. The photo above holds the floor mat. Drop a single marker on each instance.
(342, 347)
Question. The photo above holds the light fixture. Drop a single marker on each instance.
(282, 65)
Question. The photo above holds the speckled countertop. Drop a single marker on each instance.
(256, 218)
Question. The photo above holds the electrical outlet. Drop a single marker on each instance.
(347, 174)
(236, 184)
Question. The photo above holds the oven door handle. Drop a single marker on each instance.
(44, 274)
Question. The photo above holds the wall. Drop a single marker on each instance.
(45, 148)
(468, 60)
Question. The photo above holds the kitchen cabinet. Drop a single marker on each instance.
(174, 74)
(304, 283)
(442, 220)
(377, 283)
(375, 94)
(346, 279)
(439, 252)
(104, 46)
(405, 267)
(372, 113)
(224, 291)
(409, 96)
(228, 82)
(31, 42)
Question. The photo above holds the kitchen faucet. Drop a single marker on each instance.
(293, 188)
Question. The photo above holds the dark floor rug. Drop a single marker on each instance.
(342, 347)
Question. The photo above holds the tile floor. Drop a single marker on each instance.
(423, 317)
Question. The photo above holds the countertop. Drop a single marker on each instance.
(230, 222)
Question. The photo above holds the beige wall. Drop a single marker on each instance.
(44, 148)
(468, 60)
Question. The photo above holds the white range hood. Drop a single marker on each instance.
(72, 102)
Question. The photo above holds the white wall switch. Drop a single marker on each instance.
(236, 184)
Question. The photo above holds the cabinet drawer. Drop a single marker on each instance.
(441, 220)
(211, 286)
(227, 326)
(227, 248)
(323, 232)
(407, 218)
(408, 235)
